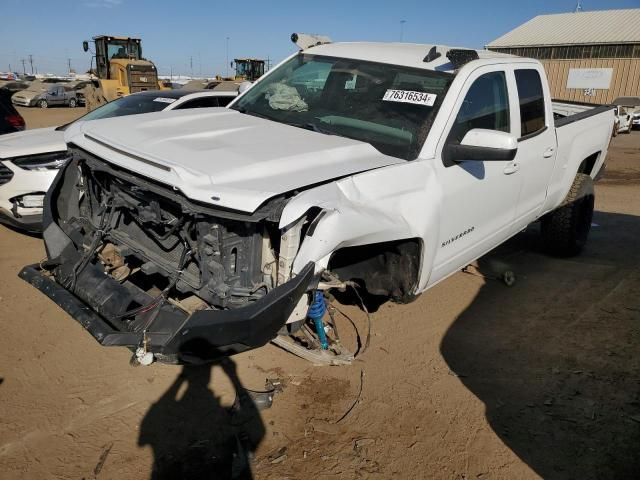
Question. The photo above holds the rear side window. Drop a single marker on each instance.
(486, 105)
(202, 102)
(531, 101)
(224, 101)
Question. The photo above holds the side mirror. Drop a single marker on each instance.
(85, 46)
(483, 145)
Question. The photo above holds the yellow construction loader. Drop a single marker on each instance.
(120, 69)
(249, 69)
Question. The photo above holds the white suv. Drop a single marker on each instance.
(30, 160)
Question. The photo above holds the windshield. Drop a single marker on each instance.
(122, 49)
(389, 106)
(129, 105)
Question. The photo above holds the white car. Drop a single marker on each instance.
(30, 160)
(622, 120)
(379, 167)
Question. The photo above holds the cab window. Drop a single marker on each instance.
(531, 101)
(486, 105)
(202, 102)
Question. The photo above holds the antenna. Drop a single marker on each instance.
(578, 7)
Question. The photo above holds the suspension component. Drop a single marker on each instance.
(316, 313)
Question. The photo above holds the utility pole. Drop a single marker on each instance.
(24, 70)
(191, 65)
(227, 57)
(31, 63)
(69, 65)
(402, 22)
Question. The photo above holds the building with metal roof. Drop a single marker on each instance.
(591, 57)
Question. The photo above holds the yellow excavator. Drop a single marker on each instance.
(120, 69)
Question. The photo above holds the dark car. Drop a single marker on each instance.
(16, 86)
(10, 119)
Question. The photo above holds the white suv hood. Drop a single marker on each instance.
(224, 157)
(31, 142)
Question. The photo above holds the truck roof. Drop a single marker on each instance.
(405, 54)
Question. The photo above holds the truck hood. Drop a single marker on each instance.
(223, 157)
(31, 142)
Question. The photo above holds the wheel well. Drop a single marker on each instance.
(588, 163)
(389, 269)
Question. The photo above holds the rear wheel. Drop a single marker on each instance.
(72, 103)
(565, 230)
(43, 104)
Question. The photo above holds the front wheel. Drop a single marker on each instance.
(72, 103)
(565, 230)
(43, 104)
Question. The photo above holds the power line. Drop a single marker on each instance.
(31, 63)
(24, 70)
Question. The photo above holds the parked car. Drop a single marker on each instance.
(78, 87)
(632, 107)
(622, 121)
(10, 120)
(397, 167)
(14, 86)
(30, 160)
(53, 95)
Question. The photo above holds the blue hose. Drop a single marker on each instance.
(315, 313)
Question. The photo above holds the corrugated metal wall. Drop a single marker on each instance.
(624, 82)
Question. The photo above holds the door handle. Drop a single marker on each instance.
(548, 152)
(512, 167)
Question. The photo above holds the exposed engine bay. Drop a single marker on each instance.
(152, 240)
(151, 262)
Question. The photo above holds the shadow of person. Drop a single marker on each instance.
(194, 437)
(555, 358)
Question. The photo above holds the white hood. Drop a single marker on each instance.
(223, 157)
(31, 142)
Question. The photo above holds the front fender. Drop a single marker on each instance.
(391, 203)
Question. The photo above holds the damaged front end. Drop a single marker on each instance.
(141, 266)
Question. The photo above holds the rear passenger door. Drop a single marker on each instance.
(536, 142)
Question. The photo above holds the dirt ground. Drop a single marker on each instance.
(474, 380)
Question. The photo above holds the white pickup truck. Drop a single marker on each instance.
(192, 234)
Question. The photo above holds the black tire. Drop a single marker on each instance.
(565, 230)
(72, 103)
(43, 104)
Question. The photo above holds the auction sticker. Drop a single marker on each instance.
(409, 96)
(164, 100)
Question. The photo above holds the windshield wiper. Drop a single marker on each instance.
(253, 113)
(314, 128)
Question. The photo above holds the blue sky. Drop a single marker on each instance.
(175, 31)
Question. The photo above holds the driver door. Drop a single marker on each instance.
(479, 197)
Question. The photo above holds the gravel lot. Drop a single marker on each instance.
(473, 380)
